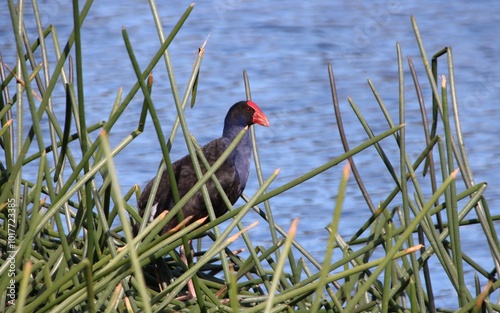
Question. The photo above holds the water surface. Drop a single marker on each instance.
(285, 47)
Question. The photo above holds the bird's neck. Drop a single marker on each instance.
(244, 147)
(231, 130)
(241, 155)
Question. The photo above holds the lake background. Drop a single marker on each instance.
(285, 48)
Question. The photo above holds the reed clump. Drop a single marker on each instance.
(62, 251)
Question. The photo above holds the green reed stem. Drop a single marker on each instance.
(333, 229)
(127, 228)
(278, 271)
(399, 242)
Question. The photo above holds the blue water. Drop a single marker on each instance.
(285, 47)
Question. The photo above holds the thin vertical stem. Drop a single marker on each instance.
(345, 144)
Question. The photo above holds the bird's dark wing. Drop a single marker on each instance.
(163, 199)
(186, 178)
(226, 175)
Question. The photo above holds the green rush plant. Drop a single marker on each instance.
(62, 251)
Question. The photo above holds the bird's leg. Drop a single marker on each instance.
(161, 273)
(191, 292)
(190, 285)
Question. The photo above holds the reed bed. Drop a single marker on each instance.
(61, 250)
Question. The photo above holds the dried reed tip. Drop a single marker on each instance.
(484, 294)
(117, 291)
(128, 305)
(188, 219)
(27, 266)
(201, 50)
(346, 170)
(414, 248)
(252, 225)
(18, 79)
(293, 227)
(443, 81)
(235, 236)
(8, 122)
(277, 171)
(183, 223)
(240, 250)
(205, 42)
(201, 220)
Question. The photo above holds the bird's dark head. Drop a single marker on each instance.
(245, 113)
